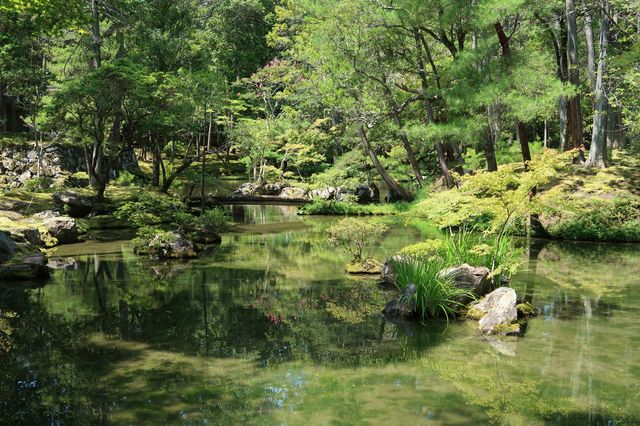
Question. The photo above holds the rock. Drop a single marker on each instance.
(365, 266)
(73, 203)
(387, 273)
(499, 308)
(368, 194)
(7, 246)
(25, 176)
(294, 193)
(404, 306)
(27, 235)
(327, 193)
(62, 228)
(23, 271)
(271, 188)
(62, 263)
(246, 189)
(473, 279)
(47, 214)
(172, 245)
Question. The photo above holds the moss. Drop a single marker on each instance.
(366, 266)
(474, 313)
(508, 329)
(526, 309)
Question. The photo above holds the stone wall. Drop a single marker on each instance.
(19, 162)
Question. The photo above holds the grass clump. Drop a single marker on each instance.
(436, 296)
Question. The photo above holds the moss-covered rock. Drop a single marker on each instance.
(365, 266)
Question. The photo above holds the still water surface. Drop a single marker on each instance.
(267, 329)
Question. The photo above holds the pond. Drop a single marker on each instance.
(268, 329)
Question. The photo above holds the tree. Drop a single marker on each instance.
(355, 235)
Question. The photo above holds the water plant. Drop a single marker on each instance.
(435, 295)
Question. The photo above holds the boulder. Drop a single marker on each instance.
(27, 235)
(62, 263)
(368, 194)
(64, 229)
(365, 266)
(74, 204)
(470, 278)
(499, 312)
(7, 246)
(327, 193)
(294, 193)
(171, 245)
(404, 306)
(47, 214)
(387, 273)
(271, 188)
(246, 189)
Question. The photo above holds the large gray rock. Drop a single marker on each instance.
(47, 214)
(368, 194)
(171, 245)
(64, 229)
(73, 203)
(271, 188)
(499, 308)
(7, 246)
(27, 235)
(294, 193)
(246, 189)
(404, 306)
(328, 193)
(471, 278)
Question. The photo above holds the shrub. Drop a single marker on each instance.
(600, 220)
(150, 208)
(35, 184)
(355, 235)
(214, 219)
(436, 296)
(426, 250)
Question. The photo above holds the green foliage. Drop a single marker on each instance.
(213, 219)
(436, 296)
(425, 251)
(35, 184)
(492, 201)
(151, 208)
(355, 235)
(600, 220)
(341, 208)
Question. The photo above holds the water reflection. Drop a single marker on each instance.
(268, 329)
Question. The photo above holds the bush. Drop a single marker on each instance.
(150, 208)
(436, 296)
(426, 250)
(355, 235)
(36, 184)
(214, 219)
(600, 220)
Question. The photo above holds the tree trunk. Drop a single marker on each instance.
(95, 35)
(394, 186)
(490, 155)
(591, 61)
(427, 104)
(597, 153)
(574, 112)
(522, 129)
(563, 117)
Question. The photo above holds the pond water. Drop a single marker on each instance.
(268, 329)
